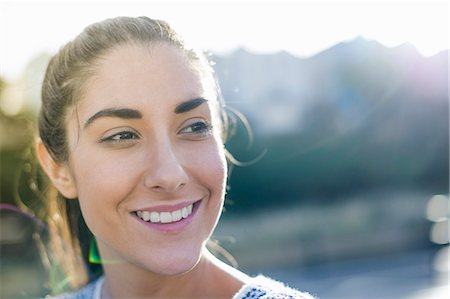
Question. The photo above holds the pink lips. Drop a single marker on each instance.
(173, 227)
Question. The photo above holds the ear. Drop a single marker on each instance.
(58, 173)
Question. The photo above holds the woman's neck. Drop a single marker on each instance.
(210, 278)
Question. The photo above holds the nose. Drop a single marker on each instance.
(165, 173)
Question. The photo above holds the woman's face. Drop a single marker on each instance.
(146, 158)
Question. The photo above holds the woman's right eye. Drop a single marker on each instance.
(121, 137)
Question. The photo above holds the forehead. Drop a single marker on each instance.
(138, 74)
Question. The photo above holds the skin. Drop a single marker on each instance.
(119, 165)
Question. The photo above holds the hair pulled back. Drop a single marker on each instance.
(66, 74)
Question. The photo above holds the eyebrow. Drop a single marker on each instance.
(189, 105)
(127, 113)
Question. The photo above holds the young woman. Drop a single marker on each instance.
(131, 129)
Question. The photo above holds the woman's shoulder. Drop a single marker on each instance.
(90, 291)
(261, 287)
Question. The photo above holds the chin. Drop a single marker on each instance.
(174, 264)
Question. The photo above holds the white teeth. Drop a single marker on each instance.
(154, 217)
(184, 212)
(176, 215)
(145, 215)
(165, 217)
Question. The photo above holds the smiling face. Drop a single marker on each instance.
(144, 144)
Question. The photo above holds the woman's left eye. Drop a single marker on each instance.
(201, 128)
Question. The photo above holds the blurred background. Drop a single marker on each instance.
(345, 193)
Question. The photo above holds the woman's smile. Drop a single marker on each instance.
(168, 219)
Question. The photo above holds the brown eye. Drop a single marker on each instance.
(200, 127)
(121, 137)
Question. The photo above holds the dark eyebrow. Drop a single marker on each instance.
(125, 113)
(189, 105)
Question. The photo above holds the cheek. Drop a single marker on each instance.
(102, 180)
(103, 171)
(209, 166)
(215, 173)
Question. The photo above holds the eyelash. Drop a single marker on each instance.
(117, 137)
(200, 128)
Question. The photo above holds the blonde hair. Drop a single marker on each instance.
(66, 74)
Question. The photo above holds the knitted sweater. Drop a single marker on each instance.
(260, 287)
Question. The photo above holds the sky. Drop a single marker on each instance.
(302, 28)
